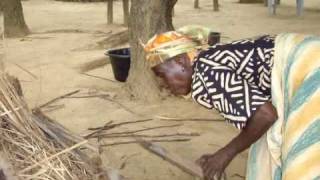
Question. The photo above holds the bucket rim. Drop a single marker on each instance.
(123, 56)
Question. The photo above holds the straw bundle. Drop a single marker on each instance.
(37, 148)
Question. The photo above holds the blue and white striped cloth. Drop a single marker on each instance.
(290, 150)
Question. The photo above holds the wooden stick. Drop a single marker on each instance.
(95, 132)
(119, 124)
(98, 77)
(184, 164)
(135, 131)
(58, 98)
(121, 105)
(53, 108)
(163, 118)
(194, 119)
(138, 141)
(88, 96)
(108, 126)
(151, 136)
(53, 156)
(27, 71)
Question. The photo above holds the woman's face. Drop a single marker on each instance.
(175, 74)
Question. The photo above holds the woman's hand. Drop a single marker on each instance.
(213, 165)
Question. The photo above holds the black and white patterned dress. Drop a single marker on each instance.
(234, 78)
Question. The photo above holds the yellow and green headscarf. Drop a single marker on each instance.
(187, 39)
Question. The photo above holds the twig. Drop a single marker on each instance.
(88, 96)
(151, 136)
(98, 77)
(58, 98)
(162, 118)
(121, 105)
(25, 70)
(53, 108)
(52, 157)
(171, 157)
(119, 124)
(137, 141)
(140, 130)
(107, 126)
(196, 119)
(99, 130)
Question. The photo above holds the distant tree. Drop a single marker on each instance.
(1, 6)
(110, 11)
(215, 5)
(196, 4)
(251, 1)
(14, 23)
(147, 17)
(125, 5)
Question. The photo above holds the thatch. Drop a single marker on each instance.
(36, 147)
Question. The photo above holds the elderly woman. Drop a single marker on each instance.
(268, 87)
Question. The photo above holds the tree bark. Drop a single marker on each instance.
(196, 4)
(147, 17)
(125, 5)
(215, 5)
(1, 6)
(110, 11)
(14, 23)
(251, 1)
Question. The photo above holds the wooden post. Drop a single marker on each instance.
(110, 11)
(125, 5)
(196, 4)
(300, 7)
(215, 5)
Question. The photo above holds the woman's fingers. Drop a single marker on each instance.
(218, 175)
(213, 175)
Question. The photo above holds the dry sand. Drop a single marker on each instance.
(52, 54)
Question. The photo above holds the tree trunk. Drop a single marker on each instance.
(147, 17)
(110, 11)
(251, 1)
(215, 5)
(125, 5)
(1, 6)
(14, 24)
(196, 4)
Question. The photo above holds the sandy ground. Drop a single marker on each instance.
(52, 54)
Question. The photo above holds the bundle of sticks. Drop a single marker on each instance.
(103, 132)
(36, 146)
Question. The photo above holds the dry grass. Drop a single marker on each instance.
(35, 154)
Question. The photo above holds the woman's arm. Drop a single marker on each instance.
(213, 165)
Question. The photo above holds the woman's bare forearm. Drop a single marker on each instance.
(256, 126)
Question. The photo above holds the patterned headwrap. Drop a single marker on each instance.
(187, 39)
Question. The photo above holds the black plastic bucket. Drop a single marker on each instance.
(120, 62)
(214, 38)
